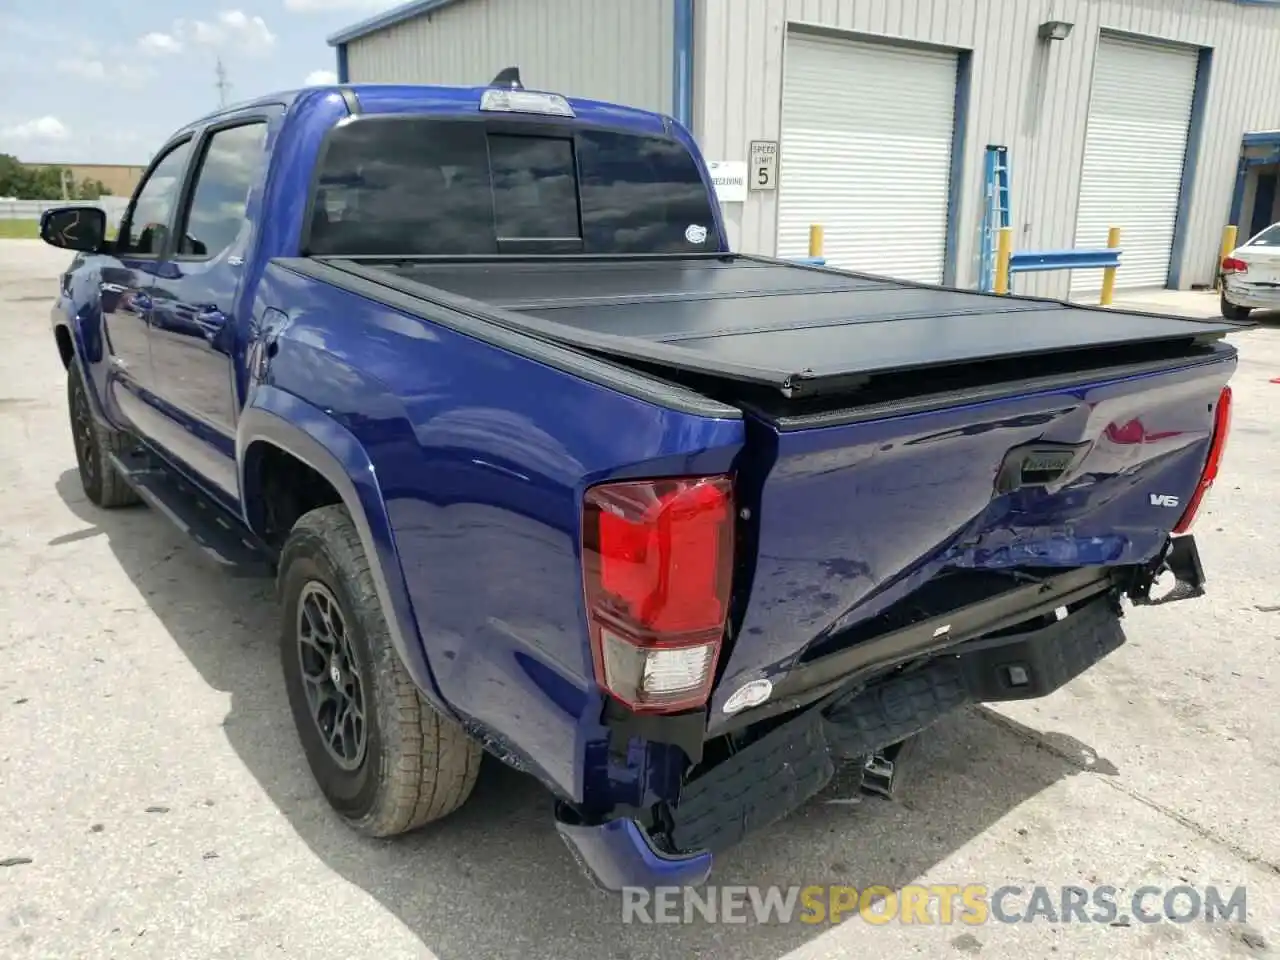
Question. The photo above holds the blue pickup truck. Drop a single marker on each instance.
(543, 470)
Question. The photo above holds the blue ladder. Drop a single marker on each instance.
(995, 212)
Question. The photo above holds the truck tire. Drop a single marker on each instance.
(102, 483)
(385, 760)
(1231, 312)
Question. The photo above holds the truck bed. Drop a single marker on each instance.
(803, 330)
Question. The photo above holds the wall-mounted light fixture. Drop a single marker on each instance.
(1055, 30)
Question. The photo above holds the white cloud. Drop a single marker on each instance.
(199, 32)
(312, 6)
(123, 74)
(320, 78)
(233, 29)
(42, 128)
(160, 43)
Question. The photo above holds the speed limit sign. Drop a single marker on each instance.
(762, 169)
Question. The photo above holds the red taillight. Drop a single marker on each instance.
(657, 559)
(1234, 265)
(1221, 428)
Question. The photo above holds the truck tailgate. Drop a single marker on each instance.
(848, 518)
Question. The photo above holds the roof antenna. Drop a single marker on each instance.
(510, 77)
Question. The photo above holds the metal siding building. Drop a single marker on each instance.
(867, 151)
(614, 50)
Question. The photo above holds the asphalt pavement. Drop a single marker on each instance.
(154, 802)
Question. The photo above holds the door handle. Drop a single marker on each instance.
(1040, 464)
(211, 320)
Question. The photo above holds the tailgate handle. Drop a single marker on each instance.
(1039, 465)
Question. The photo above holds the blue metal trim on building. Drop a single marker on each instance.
(682, 63)
(1262, 138)
(1190, 164)
(390, 18)
(955, 189)
(1237, 195)
(344, 75)
(1032, 261)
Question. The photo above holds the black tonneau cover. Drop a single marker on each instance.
(801, 329)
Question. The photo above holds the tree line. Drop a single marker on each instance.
(25, 182)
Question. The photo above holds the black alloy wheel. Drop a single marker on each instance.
(331, 676)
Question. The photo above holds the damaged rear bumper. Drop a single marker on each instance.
(780, 769)
(620, 854)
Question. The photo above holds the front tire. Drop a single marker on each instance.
(1232, 312)
(385, 760)
(94, 441)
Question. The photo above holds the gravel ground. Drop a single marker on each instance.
(155, 802)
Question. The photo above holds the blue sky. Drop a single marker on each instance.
(105, 81)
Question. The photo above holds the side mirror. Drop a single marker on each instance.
(74, 228)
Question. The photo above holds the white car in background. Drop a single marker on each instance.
(1251, 275)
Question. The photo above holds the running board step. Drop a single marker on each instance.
(220, 537)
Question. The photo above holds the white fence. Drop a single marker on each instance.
(31, 209)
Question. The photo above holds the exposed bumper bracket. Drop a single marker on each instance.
(1177, 574)
(884, 771)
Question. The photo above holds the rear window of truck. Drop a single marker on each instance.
(413, 186)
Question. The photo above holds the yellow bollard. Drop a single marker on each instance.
(815, 239)
(1109, 274)
(1004, 250)
(1228, 244)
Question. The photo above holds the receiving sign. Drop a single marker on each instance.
(730, 179)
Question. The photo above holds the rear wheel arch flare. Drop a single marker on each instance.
(66, 347)
(279, 421)
(279, 488)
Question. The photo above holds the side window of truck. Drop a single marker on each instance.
(228, 170)
(146, 223)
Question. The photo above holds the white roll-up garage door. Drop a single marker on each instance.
(1139, 116)
(865, 150)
